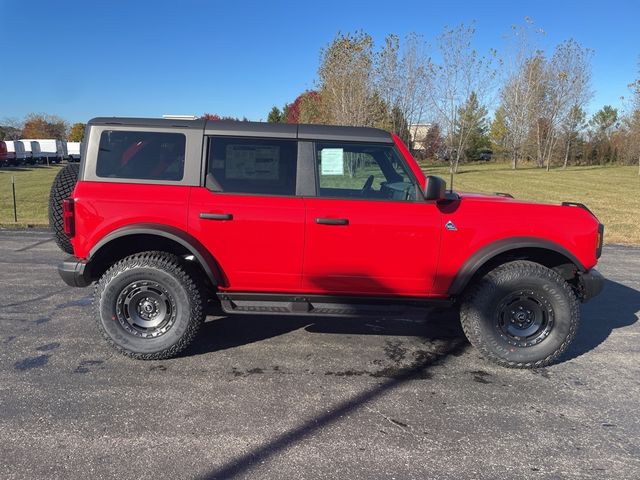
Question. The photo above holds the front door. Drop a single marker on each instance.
(368, 230)
(248, 216)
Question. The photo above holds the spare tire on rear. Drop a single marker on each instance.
(63, 185)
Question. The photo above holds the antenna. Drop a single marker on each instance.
(451, 182)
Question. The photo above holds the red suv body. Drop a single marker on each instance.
(308, 219)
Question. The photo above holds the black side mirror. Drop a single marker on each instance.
(434, 188)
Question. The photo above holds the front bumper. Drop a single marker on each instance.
(74, 272)
(590, 284)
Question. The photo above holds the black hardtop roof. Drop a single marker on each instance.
(256, 129)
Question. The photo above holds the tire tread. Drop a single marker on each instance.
(471, 323)
(63, 184)
(168, 263)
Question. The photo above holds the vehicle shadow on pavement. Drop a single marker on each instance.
(450, 342)
(236, 330)
(616, 307)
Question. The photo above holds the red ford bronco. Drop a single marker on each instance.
(174, 219)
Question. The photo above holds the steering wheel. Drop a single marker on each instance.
(366, 188)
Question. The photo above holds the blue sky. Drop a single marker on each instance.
(133, 58)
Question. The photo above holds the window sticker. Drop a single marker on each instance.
(332, 161)
(249, 162)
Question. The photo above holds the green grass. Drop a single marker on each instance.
(32, 194)
(613, 193)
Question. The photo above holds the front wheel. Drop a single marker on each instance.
(520, 315)
(148, 307)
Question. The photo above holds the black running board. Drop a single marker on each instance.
(287, 304)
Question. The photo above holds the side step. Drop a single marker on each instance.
(270, 304)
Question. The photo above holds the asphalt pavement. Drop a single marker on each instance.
(270, 397)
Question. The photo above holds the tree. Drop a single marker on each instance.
(433, 142)
(44, 126)
(498, 132)
(604, 120)
(633, 120)
(275, 115)
(564, 84)
(603, 123)
(471, 128)
(306, 108)
(573, 123)
(285, 112)
(520, 91)
(345, 79)
(11, 129)
(634, 134)
(460, 71)
(401, 80)
(214, 117)
(76, 133)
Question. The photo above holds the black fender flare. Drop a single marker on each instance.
(486, 253)
(188, 241)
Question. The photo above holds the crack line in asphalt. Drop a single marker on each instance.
(28, 247)
(402, 426)
(36, 299)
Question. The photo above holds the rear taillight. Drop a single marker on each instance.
(68, 220)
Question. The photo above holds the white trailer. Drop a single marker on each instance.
(28, 155)
(52, 150)
(35, 151)
(73, 151)
(15, 152)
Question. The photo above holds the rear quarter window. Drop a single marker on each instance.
(141, 155)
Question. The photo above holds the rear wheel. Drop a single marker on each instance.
(148, 307)
(63, 185)
(520, 315)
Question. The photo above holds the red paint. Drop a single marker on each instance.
(101, 208)
(482, 220)
(413, 165)
(261, 248)
(4, 157)
(388, 248)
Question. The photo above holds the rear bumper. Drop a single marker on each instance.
(74, 272)
(590, 284)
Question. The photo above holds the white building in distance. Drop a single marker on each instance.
(418, 133)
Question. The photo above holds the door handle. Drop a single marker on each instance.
(332, 221)
(216, 216)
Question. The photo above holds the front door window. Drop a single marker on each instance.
(363, 171)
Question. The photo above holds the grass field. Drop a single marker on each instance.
(613, 193)
(32, 194)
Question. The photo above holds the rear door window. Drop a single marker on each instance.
(141, 155)
(252, 165)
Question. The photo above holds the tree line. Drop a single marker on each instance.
(447, 88)
(41, 125)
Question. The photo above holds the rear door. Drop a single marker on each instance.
(248, 215)
(369, 231)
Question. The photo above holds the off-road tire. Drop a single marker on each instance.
(481, 308)
(183, 294)
(63, 185)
